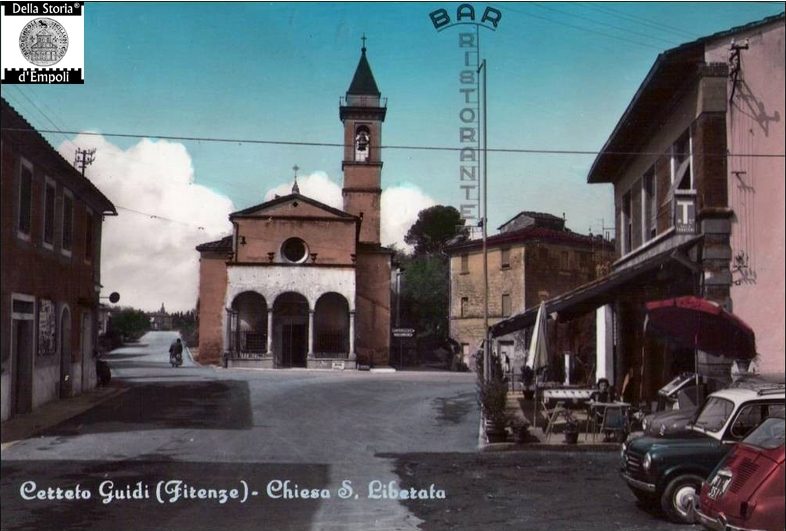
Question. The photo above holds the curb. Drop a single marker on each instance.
(546, 447)
(52, 413)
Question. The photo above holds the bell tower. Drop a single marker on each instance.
(362, 112)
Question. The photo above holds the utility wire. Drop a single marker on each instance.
(594, 21)
(581, 28)
(42, 113)
(683, 34)
(241, 141)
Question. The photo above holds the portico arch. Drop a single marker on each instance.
(248, 325)
(290, 329)
(331, 325)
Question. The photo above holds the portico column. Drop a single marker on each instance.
(352, 355)
(270, 331)
(310, 333)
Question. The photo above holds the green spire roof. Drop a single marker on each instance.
(363, 82)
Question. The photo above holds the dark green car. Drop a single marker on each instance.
(669, 470)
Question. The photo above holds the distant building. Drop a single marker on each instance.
(300, 283)
(699, 202)
(161, 320)
(532, 258)
(51, 263)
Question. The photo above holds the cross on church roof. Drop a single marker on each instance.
(363, 38)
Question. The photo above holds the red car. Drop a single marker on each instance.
(746, 490)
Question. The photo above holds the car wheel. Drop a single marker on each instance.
(678, 498)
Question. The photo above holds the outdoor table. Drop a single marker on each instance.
(603, 408)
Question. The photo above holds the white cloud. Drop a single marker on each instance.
(400, 208)
(400, 205)
(317, 186)
(150, 260)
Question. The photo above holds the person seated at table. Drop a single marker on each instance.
(606, 394)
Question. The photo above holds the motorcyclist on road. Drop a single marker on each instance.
(176, 353)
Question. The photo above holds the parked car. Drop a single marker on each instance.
(677, 403)
(669, 470)
(746, 490)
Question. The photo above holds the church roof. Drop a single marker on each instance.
(250, 211)
(224, 245)
(363, 82)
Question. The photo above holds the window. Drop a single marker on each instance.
(649, 211)
(506, 309)
(25, 200)
(681, 165)
(49, 214)
(564, 260)
(626, 222)
(89, 230)
(464, 306)
(68, 222)
(294, 250)
(505, 257)
(362, 141)
(464, 263)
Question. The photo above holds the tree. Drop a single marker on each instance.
(130, 323)
(434, 228)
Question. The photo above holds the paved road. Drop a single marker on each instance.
(225, 429)
(206, 448)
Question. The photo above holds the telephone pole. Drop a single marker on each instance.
(84, 158)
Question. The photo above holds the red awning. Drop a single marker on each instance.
(694, 322)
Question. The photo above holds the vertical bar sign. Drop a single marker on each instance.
(469, 88)
(43, 43)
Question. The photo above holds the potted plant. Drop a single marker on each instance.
(493, 397)
(521, 431)
(493, 400)
(571, 428)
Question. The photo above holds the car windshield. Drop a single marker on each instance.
(714, 414)
(768, 435)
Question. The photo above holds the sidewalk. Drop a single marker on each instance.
(52, 413)
(522, 410)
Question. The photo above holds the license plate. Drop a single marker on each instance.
(719, 485)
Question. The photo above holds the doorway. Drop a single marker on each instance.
(290, 329)
(22, 348)
(293, 345)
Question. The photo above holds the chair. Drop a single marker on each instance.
(552, 416)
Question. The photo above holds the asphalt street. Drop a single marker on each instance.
(208, 448)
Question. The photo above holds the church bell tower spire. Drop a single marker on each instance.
(362, 112)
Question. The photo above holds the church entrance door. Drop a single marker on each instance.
(294, 344)
(290, 330)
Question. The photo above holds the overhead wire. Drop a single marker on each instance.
(588, 30)
(241, 141)
(684, 34)
(594, 21)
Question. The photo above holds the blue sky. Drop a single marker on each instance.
(560, 75)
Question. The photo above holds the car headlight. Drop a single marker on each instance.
(622, 451)
(645, 424)
(647, 462)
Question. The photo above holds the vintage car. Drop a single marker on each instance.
(746, 490)
(669, 470)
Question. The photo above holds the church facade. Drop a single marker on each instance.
(299, 283)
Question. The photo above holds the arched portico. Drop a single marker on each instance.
(331, 326)
(248, 325)
(291, 330)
